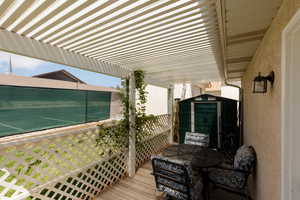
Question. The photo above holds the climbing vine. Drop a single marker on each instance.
(141, 119)
(116, 135)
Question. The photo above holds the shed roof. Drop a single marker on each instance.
(206, 96)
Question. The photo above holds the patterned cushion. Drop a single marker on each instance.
(245, 158)
(228, 178)
(197, 139)
(195, 190)
(194, 181)
(178, 164)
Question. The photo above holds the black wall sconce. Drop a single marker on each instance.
(260, 83)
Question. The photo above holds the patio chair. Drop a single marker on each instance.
(176, 179)
(197, 139)
(234, 178)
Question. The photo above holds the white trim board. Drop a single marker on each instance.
(290, 109)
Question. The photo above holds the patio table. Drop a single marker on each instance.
(199, 157)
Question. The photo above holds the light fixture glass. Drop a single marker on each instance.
(260, 83)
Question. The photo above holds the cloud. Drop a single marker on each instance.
(19, 62)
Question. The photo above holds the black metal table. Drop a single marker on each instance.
(199, 157)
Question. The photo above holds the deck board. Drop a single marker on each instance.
(142, 187)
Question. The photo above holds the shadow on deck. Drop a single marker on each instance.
(142, 187)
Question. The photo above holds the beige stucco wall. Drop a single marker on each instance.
(262, 111)
(116, 106)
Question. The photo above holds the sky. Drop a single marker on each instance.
(25, 66)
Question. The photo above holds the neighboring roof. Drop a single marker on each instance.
(206, 96)
(60, 75)
(14, 80)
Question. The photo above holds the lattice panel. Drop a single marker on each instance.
(155, 141)
(63, 166)
(160, 126)
(151, 146)
(9, 189)
(88, 183)
(70, 165)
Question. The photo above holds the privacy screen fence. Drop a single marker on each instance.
(26, 109)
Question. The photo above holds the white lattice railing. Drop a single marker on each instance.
(155, 142)
(9, 189)
(71, 165)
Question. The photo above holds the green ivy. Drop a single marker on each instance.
(117, 135)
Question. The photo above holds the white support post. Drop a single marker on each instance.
(132, 131)
(170, 112)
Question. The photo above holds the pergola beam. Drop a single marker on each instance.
(163, 52)
(177, 71)
(14, 43)
(247, 35)
(236, 70)
(132, 131)
(170, 112)
(178, 66)
(232, 42)
(239, 60)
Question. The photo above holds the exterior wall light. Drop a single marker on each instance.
(260, 83)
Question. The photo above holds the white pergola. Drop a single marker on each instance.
(173, 41)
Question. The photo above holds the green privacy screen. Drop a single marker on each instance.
(26, 109)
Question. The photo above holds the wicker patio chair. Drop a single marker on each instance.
(176, 179)
(234, 178)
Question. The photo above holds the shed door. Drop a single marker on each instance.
(206, 121)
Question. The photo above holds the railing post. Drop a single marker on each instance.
(132, 131)
(170, 111)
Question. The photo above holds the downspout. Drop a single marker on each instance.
(221, 21)
(241, 109)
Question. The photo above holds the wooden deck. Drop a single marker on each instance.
(142, 187)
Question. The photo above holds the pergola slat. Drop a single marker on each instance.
(148, 36)
(20, 10)
(126, 4)
(178, 66)
(75, 21)
(35, 13)
(175, 16)
(5, 6)
(170, 30)
(176, 48)
(176, 44)
(66, 16)
(199, 48)
(150, 45)
(59, 9)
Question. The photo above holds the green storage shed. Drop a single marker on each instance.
(212, 115)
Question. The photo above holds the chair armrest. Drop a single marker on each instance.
(230, 169)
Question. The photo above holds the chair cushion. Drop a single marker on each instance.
(195, 190)
(195, 181)
(245, 158)
(232, 179)
(197, 139)
(194, 175)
